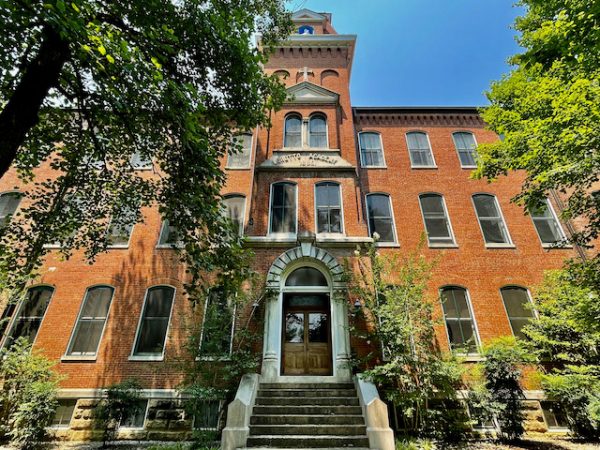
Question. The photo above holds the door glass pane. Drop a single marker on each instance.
(318, 327)
(294, 328)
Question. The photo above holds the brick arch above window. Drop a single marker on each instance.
(328, 79)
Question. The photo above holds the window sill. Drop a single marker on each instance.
(373, 167)
(468, 167)
(143, 169)
(500, 246)
(237, 168)
(423, 167)
(146, 358)
(118, 247)
(52, 246)
(434, 245)
(79, 358)
(557, 247)
(472, 357)
(214, 358)
(388, 244)
(169, 246)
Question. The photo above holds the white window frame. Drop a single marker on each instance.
(20, 194)
(555, 429)
(276, 234)
(69, 356)
(116, 246)
(228, 166)
(207, 428)
(563, 236)
(233, 323)
(308, 133)
(170, 245)
(302, 130)
(473, 319)
(458, 153)
(452, 244)
(326, 235)
(67, 426)
(418, 166)
(360, 152)
(533, 309)
(243, 215)
(379, 243)
(124, 428)
(510, 243)
(150, 165)
(161, 357)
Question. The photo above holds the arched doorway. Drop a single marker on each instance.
(306, 339)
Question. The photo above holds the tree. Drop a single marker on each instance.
(548, 111)
(28, 395)
(86, 86)
(566, 335)
(411, 370)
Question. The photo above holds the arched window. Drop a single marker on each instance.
(419, 149)
(381, 221)
(459, 319)
(9, 202)
(435, 216)
(306, 29)
(235, 206)
(329, 208)
(154, 322)
(91, 321)
(30, 314)
(490, 219)
(465, 146)
(240, 153)
(371, 150)
(293, 131)
(317, 131)
(283, 208)
(518, 308)
(306, 276)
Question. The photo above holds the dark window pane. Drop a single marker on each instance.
(328, 208)
(217, 327)
(155, 321)
(518, 307)
(306, 276)
(169, 234)
(31, 313)
(136, 417)
(318, 132)
(493, 231)
(87, 337)
(64, 412)
(318, 327)
(371, 151)
(294, 328)
(234, 208)
(90, 324)
(293, 132)
(459, 321)
(554, 415)
(206, 415)
(283, 208)
(9, 202)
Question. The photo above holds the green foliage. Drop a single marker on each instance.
(567, 335)
(414, 444)
(548, 109)
(170, 81)
(412, 372)
(28, 395)
(121, 400)
(504, 358)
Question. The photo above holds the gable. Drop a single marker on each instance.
(307, 14)
(307, 92)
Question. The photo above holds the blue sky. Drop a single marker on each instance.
(424, 52)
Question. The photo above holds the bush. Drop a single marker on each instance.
(28, 395)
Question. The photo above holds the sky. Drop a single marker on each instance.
(424, 52)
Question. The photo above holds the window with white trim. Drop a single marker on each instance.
(435, 216)
(283, 208)
(547, 225)
(120, 228)
(459, 319)
(466, 147)
(371, 150)
(419, 149)
(381, 221)
(169, 234)
(140, 161)
(490, 219)
(9, 202)
(317, 131)
(64, 413)
(518, 308)
(135, 417)
(91, 321)
(293, 131)
(329, 207)
(154, 322)
(217, 325)
(555, 415)
(206, 414)
(239, 156)
(30, 314)
(235, 206)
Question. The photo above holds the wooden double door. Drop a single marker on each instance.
(306, 335)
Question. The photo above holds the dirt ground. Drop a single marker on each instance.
(532, 443)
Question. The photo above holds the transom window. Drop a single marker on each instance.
(218, 325)
(306, 276)
(317, 131)
(371, 150)
(154, 322)
(518, 308)
(419, 149)
(490, 219)
(235, 206)
(459, 319)
(379, 212)
(239, 156)
(435, 216)
(91, 321)
(547, 224)
(329, 208)
(31, 314)
(283, 208)
(466, 147)
(9, 202)
(293, 131)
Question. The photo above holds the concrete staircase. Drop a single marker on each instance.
(307, 415)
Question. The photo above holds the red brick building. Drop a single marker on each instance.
(305, 192)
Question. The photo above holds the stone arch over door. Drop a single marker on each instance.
(309, 255)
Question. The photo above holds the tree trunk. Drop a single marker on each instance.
(23, 107)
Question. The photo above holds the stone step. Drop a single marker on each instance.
(312, 419)
(312, 442)
(311, 430)
(322, 410)
(306, 393)
(307, 401)
(314, 386)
